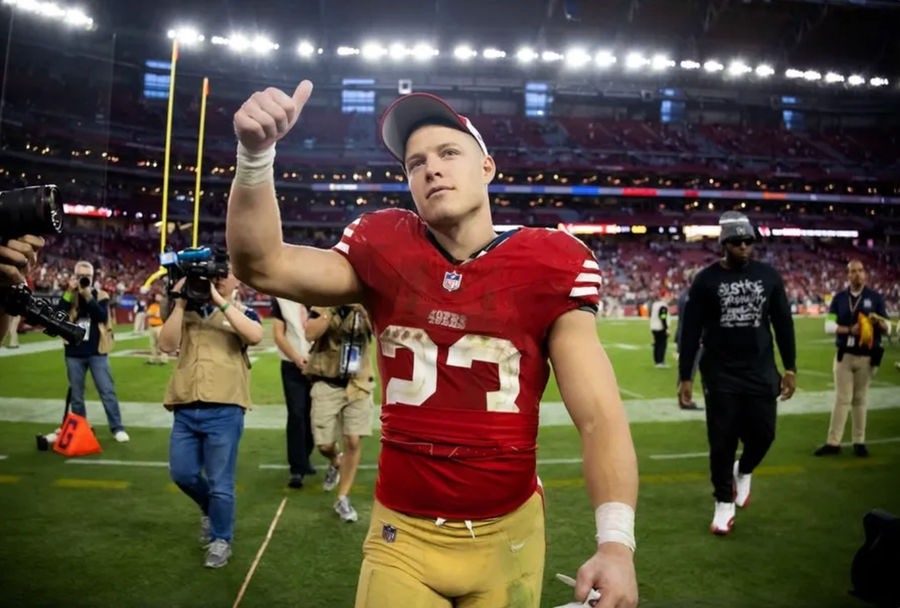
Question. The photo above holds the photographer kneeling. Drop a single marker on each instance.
(209, 392)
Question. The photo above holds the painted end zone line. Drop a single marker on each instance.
(704, 454)
(3, 456)
(259, 553)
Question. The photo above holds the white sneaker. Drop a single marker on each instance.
(741, 487)
(121, 437)
(345, 510)
(217, 553)
(723, 519)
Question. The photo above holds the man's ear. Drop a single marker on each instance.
(488, 169)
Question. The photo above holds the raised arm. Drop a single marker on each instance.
(258, 254)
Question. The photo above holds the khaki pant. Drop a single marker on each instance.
(156, 356)
(852, 375)
(334, 415)
(414, 562)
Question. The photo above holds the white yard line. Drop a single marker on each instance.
(625, 391)
(118, 463)
(705, 454)
(552, 413)
(259, 554)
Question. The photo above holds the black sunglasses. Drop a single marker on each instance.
(737, 242)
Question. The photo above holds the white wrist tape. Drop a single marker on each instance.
(615, 524)
(254, 168)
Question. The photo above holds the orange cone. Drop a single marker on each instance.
(76, 438)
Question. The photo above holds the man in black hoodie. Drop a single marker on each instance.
(731, 304)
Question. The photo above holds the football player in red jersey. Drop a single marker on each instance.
(466, 321)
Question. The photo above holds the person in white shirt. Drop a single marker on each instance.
(293, 347)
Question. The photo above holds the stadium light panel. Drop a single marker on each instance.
(604, 59)
(689, 64)
(492, 53)
(305, 49)
(73, 17)
(398, 51)
(792, 73)
(764, 71)
(878, 81)
(550, 56)
(635, 61)
(713, 66)
(526, 55)
(346, 51)
(186, 35)
(832, 77)
(661, 62)
(372, 51)
(219, 40)
(464, 52)
(423, 52)
(577, 58)
(738, 68)
(812, 75)
(238, 43)
(855, 80)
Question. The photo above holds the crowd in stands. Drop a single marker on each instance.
(635, 270)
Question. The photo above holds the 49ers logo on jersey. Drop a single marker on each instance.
(452, 280)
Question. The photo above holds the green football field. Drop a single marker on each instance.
(82, 533)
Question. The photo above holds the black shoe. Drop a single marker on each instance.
(828, 450)
(296, 481)
(310, 471)
(860, 449)
(690, 406)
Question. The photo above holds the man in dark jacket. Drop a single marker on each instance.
(730, 306)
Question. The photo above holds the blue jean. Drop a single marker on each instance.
(76, 368)
(206, 440)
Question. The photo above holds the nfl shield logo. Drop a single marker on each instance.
(389, 533)
(452, 280)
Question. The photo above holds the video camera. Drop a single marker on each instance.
(34, 210)
(200, 265)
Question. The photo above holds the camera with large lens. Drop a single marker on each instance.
(34, 210)
(199, 265)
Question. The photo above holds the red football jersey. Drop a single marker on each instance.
(462, 353)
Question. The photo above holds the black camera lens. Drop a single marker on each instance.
(84, 282)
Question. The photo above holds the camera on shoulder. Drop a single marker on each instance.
(34, 210)
(199, 266)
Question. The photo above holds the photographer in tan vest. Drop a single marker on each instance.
(209, 391)
(341, 373)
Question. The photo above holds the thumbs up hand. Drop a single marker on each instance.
(269, 115)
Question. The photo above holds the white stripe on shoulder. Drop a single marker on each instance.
(583, 291)
(589, 277)
(348, 231)
(591, 264)
(342, 246)
(354, 222)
